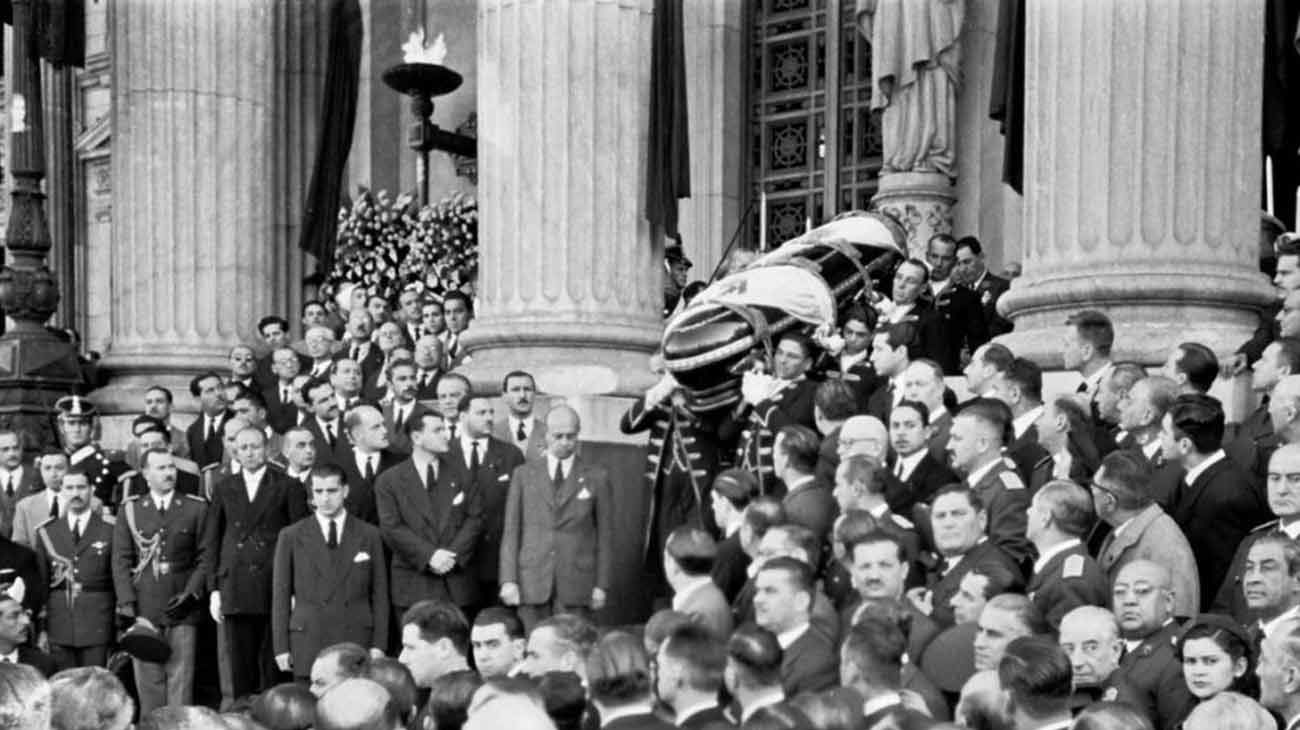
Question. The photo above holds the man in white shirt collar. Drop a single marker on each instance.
(1270, 580)
(989, 359)
(1279, 672)
(1180, 447)
(299, 449)
(753, 671)
(519, 392)
(11, 464)
(347, 379)
(1021, 388)
(325, 409)
(909, 436)
(780, 606)
(1086, 345)
(860, 486)
(329, 497)
(690, 664)
(476, 428)
(453, 389)
(941, 255)
(871, 664)
(890, 357)
(1143, 409)
(15, 628)
(909, 281)
(250, 453)
(863, 436)
(1056, 421)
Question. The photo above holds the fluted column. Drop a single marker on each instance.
(570, 282)
(193, 254)
(1141, 174)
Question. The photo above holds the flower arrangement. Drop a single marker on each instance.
(391, 244)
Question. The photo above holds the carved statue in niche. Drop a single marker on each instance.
(915, 67)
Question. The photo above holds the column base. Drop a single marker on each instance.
(566, 359)
(922, 201)
(36, 369)
(1152, 308)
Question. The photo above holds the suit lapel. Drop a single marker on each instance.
(1188, 495)
(265, 488)
(345, 554)
(574, 482)
(444, 491)
(93, 526)
(320, 551)
(543, 479)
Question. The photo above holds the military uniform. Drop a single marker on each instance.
(1005, 500)
(131, 483)
(105, 469)
(79, 614)
(1069, 579)
(1230, 599)
(754, 428)
(1117, 688)
(1155, 671)
(158, 556)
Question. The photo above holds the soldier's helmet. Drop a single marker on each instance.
(72, 408)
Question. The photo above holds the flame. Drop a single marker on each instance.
(415, 51)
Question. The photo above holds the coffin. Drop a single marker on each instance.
(802, 285)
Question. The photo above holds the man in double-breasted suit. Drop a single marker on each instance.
(248, 511)
(160, 570)
(330, 582)
(488, 462)
(430, 516)
(368, 457)
(76, 554)
(520, 427)
(325, 424)
(557, 542)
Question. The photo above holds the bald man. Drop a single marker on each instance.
(557, 541)
(1143, 601)
(354, 704)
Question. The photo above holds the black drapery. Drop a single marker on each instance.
(338, 118)
(668, 168)
(1007, 102)
(1281, 122)
(59, 34)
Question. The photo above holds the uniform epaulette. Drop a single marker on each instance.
(126, 475)
(1045, 460)
(114, 454)
(1072, 567)
(108, 518)
(131, 498)
(1270, 525)
(210, 467)
(903, 522)
(186, 465)
(1009, 462)
(196, 498)
(1011, 480)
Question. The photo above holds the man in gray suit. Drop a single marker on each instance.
(1141, 529)
(689, 554)
(557, 542)
(520, 427)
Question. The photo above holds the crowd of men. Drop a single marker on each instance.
(351, 536)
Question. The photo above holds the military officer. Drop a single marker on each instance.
(1065, 576)
(160, 569)
(152, 433)
(76, 552)
(979, 432)
(76, 424)
(1143, 603)
(769, 404)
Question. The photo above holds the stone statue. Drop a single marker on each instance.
(915, 58)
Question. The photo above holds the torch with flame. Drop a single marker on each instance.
(415, 51)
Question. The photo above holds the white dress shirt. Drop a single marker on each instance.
(1192, 474)
(1053, 551)
(905, 465)
(251, 480)
(566, 465)
(338, 520)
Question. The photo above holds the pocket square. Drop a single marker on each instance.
(361, 557)
(503, 478)
(459, 498)
(584, 494)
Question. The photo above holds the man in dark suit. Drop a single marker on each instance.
(783, 605)
(769, 404)
(892, 351)
(1214, 505)
(325, 425)
(15, 633)
(487, 462)
(358, 347)
(160, 569)
(17, 480)
(871, 664)
(519, 426)
(368, 457)
(401, 407)
(204, 435)
(76, 553)
(274, 330)
(430, 515)
(958, 324)
(731, 494)
(330, 582)
(278, 391)
(878, 563)
(681, 459)
(19, 566)
(154, 434)
(1255, 439)
(1020, 386)
(988, 287)
(1143, 603)
(853, 362)
(913, 466)
(428, 361)
(688, 557)
(690, 664)
(557, 541)
(409, 316)
(958, 523)
(807, 501)
(248, 511)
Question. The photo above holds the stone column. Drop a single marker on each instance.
(715, 59)
(570, 281)
(1141, 174)
(63, 187)
(193, 252)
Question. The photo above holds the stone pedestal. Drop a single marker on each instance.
(922, 201)
(1141, 175)
(194, 260)
(570, 282)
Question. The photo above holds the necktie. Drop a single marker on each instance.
(356, 352)
(898, 469)
(207, 428)
(1083, 387)
(430, 478)
(286, 396)
(452, 343)
(473, 457)
(54, 505)
(76, 531)
(399, 420)
(558, 480)
(329, 434)
(9, 485)
(334, 534)
(370, 468)
(452, 428)
(521, 435)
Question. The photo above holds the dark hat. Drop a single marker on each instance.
(74, 406)
(675, 255)
(145, 642)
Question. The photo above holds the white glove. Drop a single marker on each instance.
(834, 344)
(17, 590)
(660, 392)
(755, 387)
(214, 606)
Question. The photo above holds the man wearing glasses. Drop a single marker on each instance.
(1283, 482)
(1140, 529)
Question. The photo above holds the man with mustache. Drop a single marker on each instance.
(520, 426)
